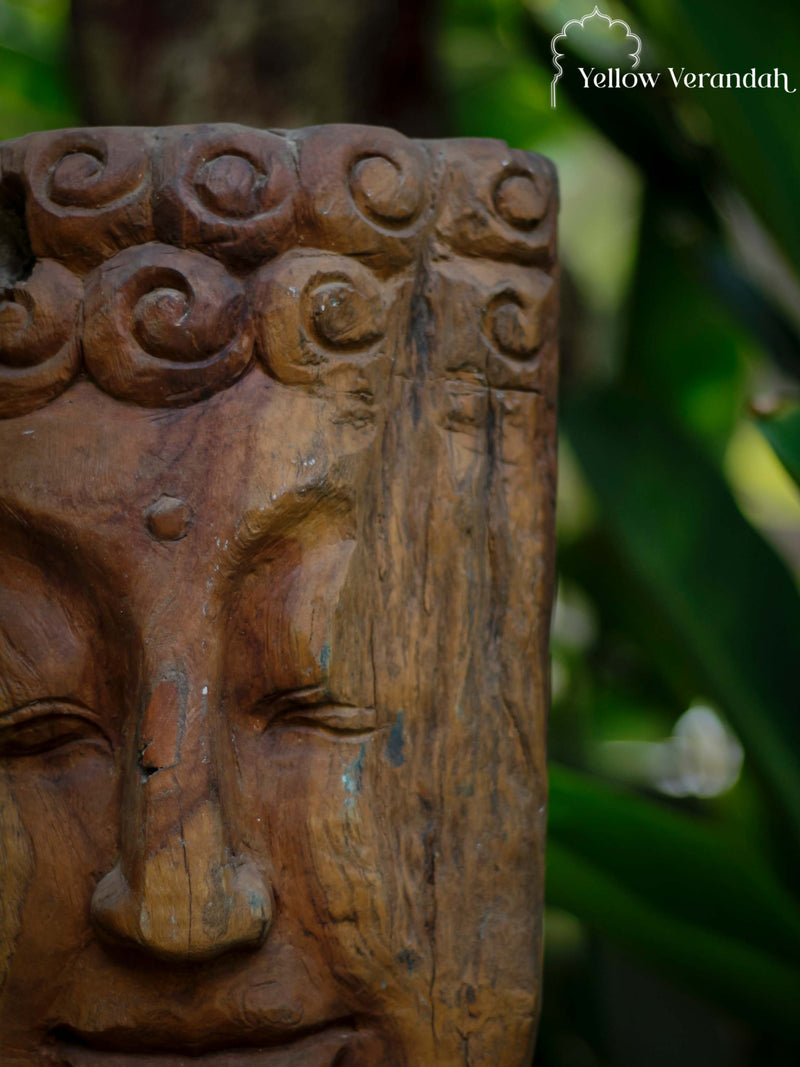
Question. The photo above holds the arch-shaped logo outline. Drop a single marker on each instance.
(635, 55)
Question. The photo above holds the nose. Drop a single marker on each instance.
(178, 891)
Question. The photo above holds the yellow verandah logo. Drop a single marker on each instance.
(617, 78)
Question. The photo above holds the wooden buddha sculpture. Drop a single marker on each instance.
(276, 516)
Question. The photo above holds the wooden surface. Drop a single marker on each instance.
(276, 512)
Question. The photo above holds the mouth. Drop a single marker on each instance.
(324, 1046)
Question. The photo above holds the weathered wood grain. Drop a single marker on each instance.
(277, 428)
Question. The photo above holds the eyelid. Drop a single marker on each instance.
(49, 707)
(282, 700)
(313, 707)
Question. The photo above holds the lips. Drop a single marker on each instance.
(322, 1047)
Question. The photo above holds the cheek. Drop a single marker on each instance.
(348, 838)
(57, 838)
(16, 868)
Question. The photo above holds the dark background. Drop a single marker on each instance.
(672, 928)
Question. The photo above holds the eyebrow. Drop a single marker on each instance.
(34, 530)
(294, 516)
(291, 512)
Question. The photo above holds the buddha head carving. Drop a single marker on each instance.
(277, 436)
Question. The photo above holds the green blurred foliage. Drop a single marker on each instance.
(675, 733)
(35, 86)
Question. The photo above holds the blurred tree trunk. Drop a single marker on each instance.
(280, 63)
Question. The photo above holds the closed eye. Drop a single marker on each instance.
(313, 707)
(43, 726)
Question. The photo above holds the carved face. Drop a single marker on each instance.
(275, 520)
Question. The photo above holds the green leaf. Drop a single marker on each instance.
(782, 430)
(685, 348)
(729, 600)
(686, 897)
(750, 126)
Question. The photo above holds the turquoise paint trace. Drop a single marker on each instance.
(394, 746)
(352, 779)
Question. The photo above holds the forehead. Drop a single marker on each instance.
(94, 469)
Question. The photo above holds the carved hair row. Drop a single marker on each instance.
(244, 195)
(161, 326)
(166, 260)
